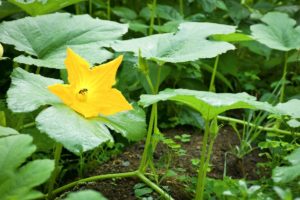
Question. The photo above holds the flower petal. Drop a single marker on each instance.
(110, 102)
(64, 92)
(78, 68)
(103, 76)
(106, 102)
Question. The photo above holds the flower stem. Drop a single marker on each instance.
(283, 79)
(202, 168)
(212, 87)
(153, 10)
(57, 153)
(154, 186)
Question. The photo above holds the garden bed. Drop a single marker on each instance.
(117, 189)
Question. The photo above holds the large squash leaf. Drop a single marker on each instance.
(290, 108)
(16, 181)
(86, 194)
(40, 7)
(130, 124)
(285, 174)
(5, 131)
(278, 32)
(79, 134)
(209, 104)
(29, 91)
(61, 123)
(187, 44)
(76, 133)
(45, 38)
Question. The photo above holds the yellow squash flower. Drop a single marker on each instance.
(90, 91)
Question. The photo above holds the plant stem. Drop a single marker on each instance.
(158, 79)
(181, 7)
(283, 79)
(202, 168)
(91, 7)
(267, 129)
(95, 178)
(81, 165)
(211, 144)
(212, 80)
(154, 186)
(31, 124)
(108, 9)
(77, 9)
(150, 83)
(57, 153)
(38, 70)
(143, 164)
(153, 10)
(27, 68)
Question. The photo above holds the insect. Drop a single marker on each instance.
(83, 91)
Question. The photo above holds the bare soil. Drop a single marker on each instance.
(122, 189)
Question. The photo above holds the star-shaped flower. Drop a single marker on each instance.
(90, 91)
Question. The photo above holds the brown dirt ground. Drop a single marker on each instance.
(122, 189)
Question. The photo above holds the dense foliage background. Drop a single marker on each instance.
(253, 46)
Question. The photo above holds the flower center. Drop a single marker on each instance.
(82, 94)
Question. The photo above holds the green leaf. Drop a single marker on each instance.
(293, 123)
(236, 10)
(294, 158)
(167, 12)
(208, 5)
(124, 12)
(76, 133)
(278, 32)
(257, 48)
(5, 131)
(7, 9)
(40, 7)
(29, 91)
(45, 38)
(209, 104)
(286, 174)
(189, 43)
(18, 182)
(14, 150)
(163, 12)
(40, 140)
(86, 194)
(130, 124)
(290, 108)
